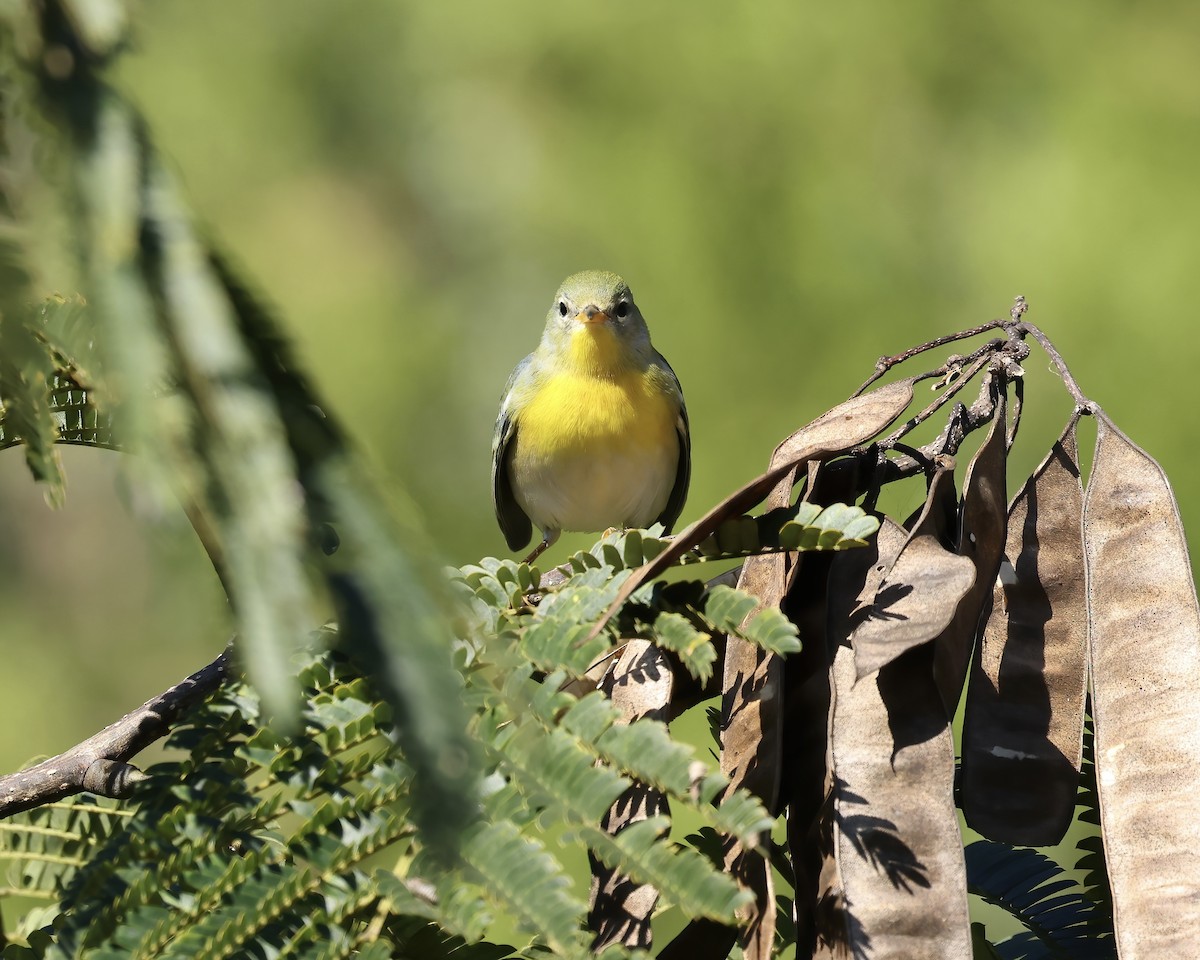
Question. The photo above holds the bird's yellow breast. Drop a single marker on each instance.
(577, 413)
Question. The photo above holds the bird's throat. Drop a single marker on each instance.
(595, 350)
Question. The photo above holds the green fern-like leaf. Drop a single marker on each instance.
(1058, 918)
(558, 771)
(772, 631)
(675, 632)
(742, 815)
(45, 846)
(646, 749)
(557, 635)
(807, 526)
(728, 608)
(836, 527)
(680, 874)
(529, 883)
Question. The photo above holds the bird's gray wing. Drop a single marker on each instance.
(515, 525)
(683, 470)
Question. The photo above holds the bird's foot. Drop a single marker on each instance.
(548, 539)
(537, 552)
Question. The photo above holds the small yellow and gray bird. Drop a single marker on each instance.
(592, 431)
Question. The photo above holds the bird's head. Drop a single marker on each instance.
(594, 323)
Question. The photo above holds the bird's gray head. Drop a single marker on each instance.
(596, 305)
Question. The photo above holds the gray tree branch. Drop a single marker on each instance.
(99, 764)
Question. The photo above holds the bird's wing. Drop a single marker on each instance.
(513, 521)
(683, 470)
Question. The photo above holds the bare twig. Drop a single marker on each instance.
(963, 421)
(1082, 403)
(1003, 357)
(884, 364)
(1019, 308)
(98, 764)
(960, 381)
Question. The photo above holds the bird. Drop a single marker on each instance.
(592, 432)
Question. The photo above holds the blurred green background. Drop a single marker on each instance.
(792, 189)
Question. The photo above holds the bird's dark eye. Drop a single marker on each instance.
(562, 308)
(623, 309)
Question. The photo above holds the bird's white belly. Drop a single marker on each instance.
(593, 490)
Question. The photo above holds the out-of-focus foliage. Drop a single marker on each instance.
(187, 372)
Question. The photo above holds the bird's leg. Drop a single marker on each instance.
(548, 539)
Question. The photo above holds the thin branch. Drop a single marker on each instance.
(963, 421)
(960, 381)
(884, 364)
(98, 764)
(1082, 403)
(1004, 358)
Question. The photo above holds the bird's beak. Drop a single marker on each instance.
(591, 314)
